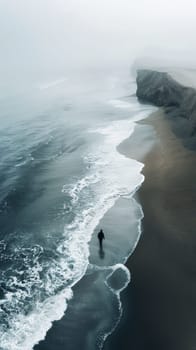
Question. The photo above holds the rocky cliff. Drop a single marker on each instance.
(179, 102)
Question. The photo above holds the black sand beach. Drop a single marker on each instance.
(160, 302)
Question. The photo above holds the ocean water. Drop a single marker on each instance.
(60, 177)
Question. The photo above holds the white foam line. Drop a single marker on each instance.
(103, 338)
(112, 269)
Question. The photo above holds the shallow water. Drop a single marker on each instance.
(95, 310)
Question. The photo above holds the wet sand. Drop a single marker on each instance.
(94, 309)
(160, 302)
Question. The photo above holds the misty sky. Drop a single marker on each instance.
(63, 33)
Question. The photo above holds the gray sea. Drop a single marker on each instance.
(61, 179)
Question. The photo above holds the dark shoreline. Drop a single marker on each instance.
(160, 302)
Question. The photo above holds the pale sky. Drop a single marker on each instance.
(82, 32)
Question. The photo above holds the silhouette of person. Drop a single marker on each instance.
(100, 237)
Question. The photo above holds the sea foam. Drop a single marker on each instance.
(110, 175)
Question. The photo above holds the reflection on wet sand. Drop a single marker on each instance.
(101, 253)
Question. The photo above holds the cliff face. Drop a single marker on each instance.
(179, 102)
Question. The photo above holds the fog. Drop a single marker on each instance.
(57, 35)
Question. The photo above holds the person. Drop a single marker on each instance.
(100, 238)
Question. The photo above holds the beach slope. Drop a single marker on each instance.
(160, 302)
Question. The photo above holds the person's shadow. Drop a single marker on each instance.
(101, 253)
